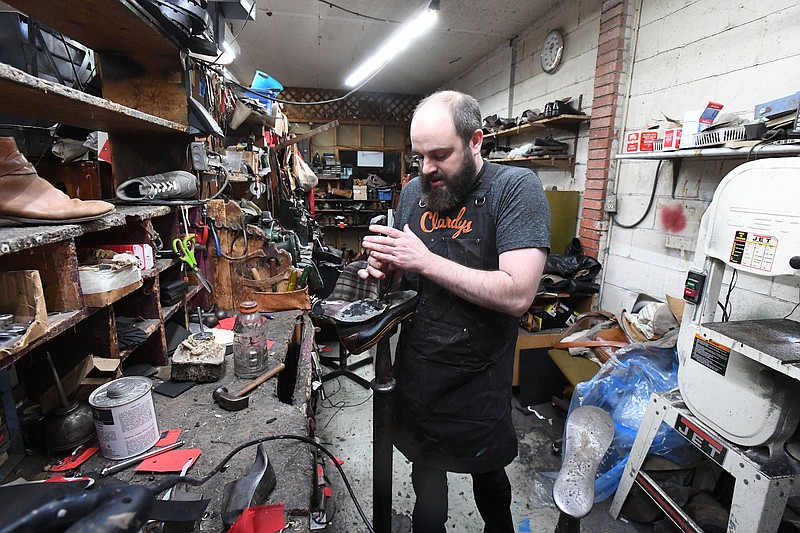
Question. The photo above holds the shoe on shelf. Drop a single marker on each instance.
(487, 147)
(548, 110)
(173, 185)
(549, 144)
(563, 107)
(508, 123)
(30, 199)
(491, 121)
(529, 115)
(499, 152)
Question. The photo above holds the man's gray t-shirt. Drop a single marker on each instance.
(519, 208)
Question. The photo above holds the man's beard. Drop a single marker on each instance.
(456, 186)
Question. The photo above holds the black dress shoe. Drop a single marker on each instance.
(548, 110)
(363, 323)
(549, 144)
(562, 107)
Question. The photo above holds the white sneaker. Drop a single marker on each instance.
(167, 186)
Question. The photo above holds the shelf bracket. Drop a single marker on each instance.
(676, 170)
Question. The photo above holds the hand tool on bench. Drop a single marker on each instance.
(239, 401)
(141, 457)
(251, 489)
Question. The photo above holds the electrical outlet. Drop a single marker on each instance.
(198, 151)
(611, 204)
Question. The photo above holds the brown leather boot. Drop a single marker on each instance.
(27, 198)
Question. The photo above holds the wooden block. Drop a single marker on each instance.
(21, 295)
(526, 340)
(102, 299)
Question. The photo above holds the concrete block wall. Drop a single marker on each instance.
(689, 53)
(511, 80)
(686, 53)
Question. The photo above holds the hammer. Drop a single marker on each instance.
(239, 401)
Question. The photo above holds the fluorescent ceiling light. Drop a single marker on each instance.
(398, 41)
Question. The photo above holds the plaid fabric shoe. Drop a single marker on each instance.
(171, 185)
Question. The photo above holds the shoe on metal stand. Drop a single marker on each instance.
(173, 185)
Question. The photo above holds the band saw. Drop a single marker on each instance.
(739, 380)
(742, 378)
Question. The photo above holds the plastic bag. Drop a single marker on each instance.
(305, 176)
(623, 387)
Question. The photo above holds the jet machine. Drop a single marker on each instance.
(739, 380)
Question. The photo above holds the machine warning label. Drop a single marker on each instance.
(710, 354)
(753, 250)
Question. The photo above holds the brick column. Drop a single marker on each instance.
(606, 108)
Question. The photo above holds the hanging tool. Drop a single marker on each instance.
(184, 247)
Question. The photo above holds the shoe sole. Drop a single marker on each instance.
(589, 433)
(52, 222)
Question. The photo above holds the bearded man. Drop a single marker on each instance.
(472, 238)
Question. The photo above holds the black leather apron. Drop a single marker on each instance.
(455, 360)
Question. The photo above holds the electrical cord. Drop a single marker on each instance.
(727, 308)
(368, 17)
(289, 102)
(649, 203)
(769, 137)
(233, 40)
(793, 309)
(169, 481)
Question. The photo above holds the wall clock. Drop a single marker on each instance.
(552, 50)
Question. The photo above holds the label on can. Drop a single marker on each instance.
(125, 421)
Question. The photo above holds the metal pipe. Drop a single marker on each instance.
(128, 462)
(383, 386)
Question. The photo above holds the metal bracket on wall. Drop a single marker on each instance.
(676, 170)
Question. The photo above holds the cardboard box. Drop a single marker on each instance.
(639, 141)
(104, 284)
(359, 192)
(82, 380)
(526, 341)
(21, 295)
(142, 252)
(695, 121)
(672, 139)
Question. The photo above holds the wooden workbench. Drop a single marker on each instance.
(217, 432)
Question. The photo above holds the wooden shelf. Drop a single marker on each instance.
(515, 130)
(560, 122)
(168, 312)
(30, 96)
(564, 162)
(149, 326)
(57, 323)
(15, 238)
(119, 27)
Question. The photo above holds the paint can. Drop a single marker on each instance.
(125, 417)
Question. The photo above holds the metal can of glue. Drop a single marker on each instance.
(125, 417)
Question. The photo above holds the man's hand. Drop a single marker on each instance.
(392, 250)
(510, 289)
